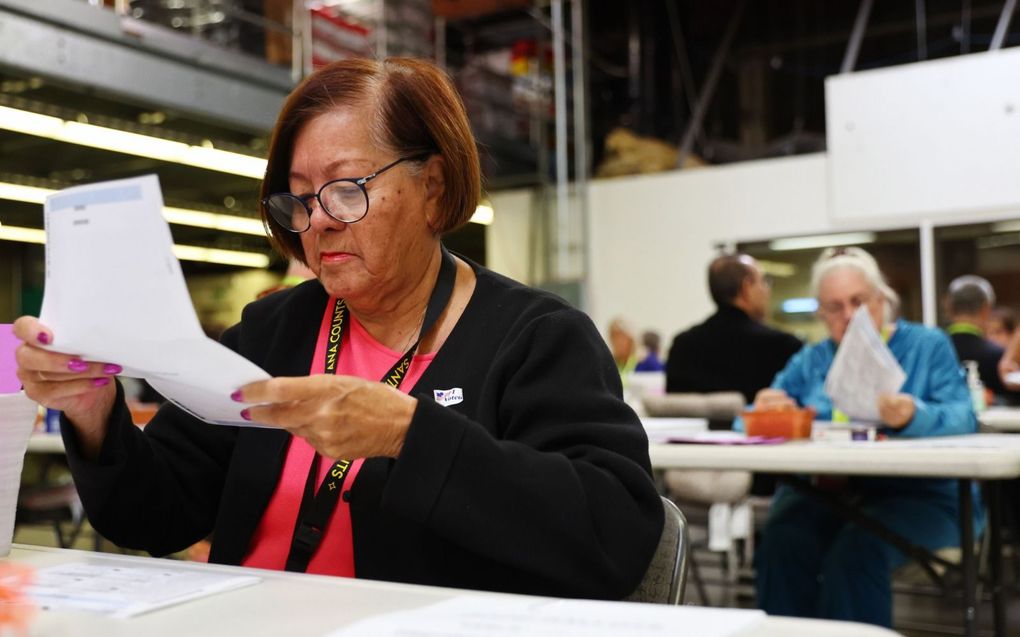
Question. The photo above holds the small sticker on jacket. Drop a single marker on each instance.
(447, 397)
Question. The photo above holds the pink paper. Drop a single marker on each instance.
(9, 382)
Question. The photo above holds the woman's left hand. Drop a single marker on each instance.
(896, 410)
(340, 416)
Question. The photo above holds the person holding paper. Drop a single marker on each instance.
(812, 562)
(496, 453)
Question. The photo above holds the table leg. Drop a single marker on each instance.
(993, 495)
(967, 562)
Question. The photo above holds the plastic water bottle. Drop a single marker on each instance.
(977, 388)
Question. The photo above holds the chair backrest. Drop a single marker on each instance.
(666, 576)
(719, 407)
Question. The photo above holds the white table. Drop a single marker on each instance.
(306, 605)
(973, 457)
(1000, 419)
(985, 457)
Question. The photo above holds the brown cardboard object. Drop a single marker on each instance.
(631, 154)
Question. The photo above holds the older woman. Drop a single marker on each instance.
(812, 562)
(495, 454)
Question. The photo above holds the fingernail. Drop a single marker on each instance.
(77, 365)
(100, 382)
(245, 414)
(236, 396)
(43, 338)
(110, 368)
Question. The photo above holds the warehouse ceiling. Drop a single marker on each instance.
(653, 57)
(648, 65)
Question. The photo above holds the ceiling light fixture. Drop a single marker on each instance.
(179, 216)
(822, 241)
(183, 252)
(85, 134)
(483, 214)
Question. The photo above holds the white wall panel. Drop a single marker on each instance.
(925, 140)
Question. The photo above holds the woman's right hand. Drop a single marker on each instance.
(772, 399)
(80, 389)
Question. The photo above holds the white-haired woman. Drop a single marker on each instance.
(813, 562)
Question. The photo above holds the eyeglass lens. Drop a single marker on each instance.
(343, 200)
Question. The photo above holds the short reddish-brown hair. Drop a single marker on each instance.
(418, 111)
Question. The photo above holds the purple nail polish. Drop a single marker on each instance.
(245, 414)
(77, 365)
(43, 338)
(110, 368)
(100, 382)
(237, 397)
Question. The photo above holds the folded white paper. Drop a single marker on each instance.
(17, 417)
(115, 294)
(862, 370)
(492, 616)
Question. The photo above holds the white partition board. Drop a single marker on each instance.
(925, 140)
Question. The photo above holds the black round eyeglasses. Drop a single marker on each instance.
(344, 199)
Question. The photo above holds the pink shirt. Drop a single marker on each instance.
(362, 356)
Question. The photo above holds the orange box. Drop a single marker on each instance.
(785, 423)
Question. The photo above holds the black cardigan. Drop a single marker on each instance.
(538, 482)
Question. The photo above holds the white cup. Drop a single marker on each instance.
(17, 417)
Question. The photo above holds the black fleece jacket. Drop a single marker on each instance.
(538, 482)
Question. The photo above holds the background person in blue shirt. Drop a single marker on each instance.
(813, 562)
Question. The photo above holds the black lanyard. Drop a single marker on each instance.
(316, 508)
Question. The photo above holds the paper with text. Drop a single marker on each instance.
(125, 591)
(862, 370)
(491, 616)
(115, 294)
(17, 418)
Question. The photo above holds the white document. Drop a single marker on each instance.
(662, 429)
(491, 616)
(862, 370)
(125, 591)
(115, 293)
(17, 417)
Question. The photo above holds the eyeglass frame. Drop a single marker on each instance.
(357, 181)
(841, 310)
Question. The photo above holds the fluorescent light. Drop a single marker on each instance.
(83, 134)
(483, 215)
(186, 253)
(24, 235)
(227, 223)
(215, 255)
(1006, 226)
(822, 241)
(28, 194)
(179, 216)
(777, 268)
(800, 306)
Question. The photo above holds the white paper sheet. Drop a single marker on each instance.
(491, 616)
(115, 293)
(125, 591)
(17, 417)
(862, 370)
(662, 429)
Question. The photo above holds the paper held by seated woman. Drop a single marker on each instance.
(862, 370)
(111, 299)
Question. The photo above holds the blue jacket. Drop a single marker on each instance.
(934, 378)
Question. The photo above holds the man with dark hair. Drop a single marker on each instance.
(969, 303)
(732, 350)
